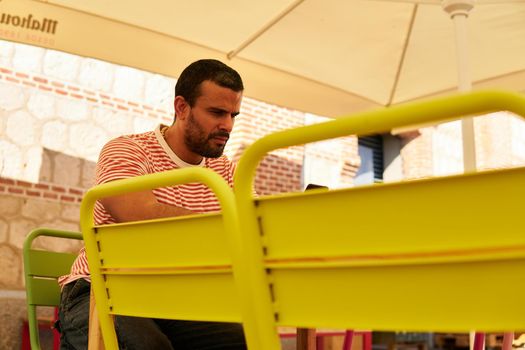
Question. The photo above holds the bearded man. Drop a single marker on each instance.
(208, 97)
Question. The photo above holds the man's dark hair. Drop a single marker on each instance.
(188, 84)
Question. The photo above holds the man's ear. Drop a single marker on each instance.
(181, 107)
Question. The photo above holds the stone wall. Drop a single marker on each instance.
(18, 216)
(54, 202)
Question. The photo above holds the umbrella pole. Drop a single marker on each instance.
(458, 10)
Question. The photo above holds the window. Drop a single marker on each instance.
(370, 149)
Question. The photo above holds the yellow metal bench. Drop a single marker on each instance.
(422, 255)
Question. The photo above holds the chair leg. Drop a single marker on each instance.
(306, 339)
(507, 341)
(319, 342)
(349, 337)
(26, 343)
(479, 341)
(56, 334)
(367, 340)
(95, 335)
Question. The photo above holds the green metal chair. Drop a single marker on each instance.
(41, 270)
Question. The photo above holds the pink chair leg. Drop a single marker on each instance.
(367, 340)
(349, 337)
(56, 335)
(319, 342)
(507, 341)
(479, 341)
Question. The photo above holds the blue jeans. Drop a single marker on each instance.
(142, 333)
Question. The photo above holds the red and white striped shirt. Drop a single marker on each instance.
(148, 153)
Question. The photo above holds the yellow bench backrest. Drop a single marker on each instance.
(179, 268)
(422, 255)
(173, 278)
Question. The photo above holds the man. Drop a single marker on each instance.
(207, 99)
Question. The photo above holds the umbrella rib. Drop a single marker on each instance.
(265, 28)
(403, 55)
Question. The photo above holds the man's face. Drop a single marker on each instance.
(210, 120)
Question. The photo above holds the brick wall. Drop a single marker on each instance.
(280, 171)
(500, 141)
(437, 150)
(416, 152)
(76, 92)
(42, 190)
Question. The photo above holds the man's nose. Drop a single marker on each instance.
(227, 124)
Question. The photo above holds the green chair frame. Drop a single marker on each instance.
(41, 271)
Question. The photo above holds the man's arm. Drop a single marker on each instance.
(140, 206)
(124, 158)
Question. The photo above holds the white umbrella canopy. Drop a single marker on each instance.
(328, 57)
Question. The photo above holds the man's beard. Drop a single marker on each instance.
(198, 142)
